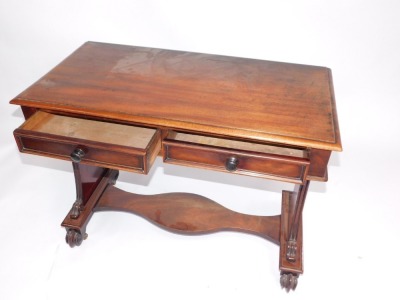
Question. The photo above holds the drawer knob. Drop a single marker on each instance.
(77, 155)
(231, 163)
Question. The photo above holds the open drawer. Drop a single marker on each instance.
(104, 144)
(260, 160)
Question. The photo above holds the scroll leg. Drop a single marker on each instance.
(76, 225)
(292, 243)
(86, 180)
(291, 237)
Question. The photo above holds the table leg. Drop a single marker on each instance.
(86, 180)
(190, 213)
(295, 223)
(291, 237)
(90, 192)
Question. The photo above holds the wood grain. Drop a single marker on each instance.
(188, 213)
(230, 96)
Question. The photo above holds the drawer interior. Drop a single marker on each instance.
(104, 132)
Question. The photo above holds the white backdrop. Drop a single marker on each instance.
(351, 223)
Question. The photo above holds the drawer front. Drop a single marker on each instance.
(278, 167)
(93, 155)
(31, 138)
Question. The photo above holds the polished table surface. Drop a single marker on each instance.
(235, 97)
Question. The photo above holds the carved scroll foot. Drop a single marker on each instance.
(75, 237)
(289, 281)
(75, 223)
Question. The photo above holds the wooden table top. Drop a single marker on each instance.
(229, 96)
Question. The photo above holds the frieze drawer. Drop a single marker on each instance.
(93, 142)
(254, 159)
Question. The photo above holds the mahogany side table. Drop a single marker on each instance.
(112, 107)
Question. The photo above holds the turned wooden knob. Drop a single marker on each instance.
(231, 163)
(77, 155)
